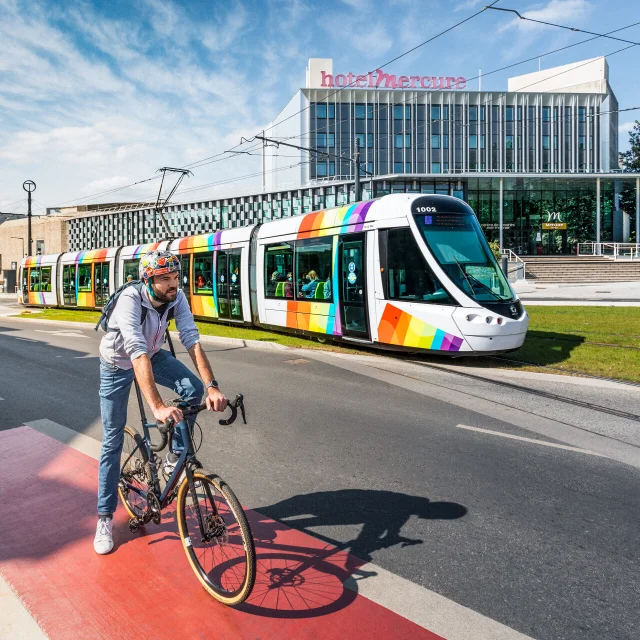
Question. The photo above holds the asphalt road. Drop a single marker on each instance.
(542, 539)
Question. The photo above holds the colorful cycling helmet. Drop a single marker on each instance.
(156, 263)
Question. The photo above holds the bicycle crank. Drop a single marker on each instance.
(153, 509)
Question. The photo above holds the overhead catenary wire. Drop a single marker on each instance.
(560, 26)
(231, 153)
(502, 94)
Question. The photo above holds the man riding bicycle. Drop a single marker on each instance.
(130, 349)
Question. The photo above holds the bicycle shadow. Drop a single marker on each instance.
(303, 574)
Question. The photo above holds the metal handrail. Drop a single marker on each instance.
(611, 250)
(512, 255)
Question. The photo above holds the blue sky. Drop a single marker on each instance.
(97, 95)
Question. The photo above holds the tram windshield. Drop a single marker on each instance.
(458, 244)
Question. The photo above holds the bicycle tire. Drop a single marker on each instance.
(137, 471)
(213, 579)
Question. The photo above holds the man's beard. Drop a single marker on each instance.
(169, 296)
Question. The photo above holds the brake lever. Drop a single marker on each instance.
(234, 405)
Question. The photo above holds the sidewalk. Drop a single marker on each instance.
(617, 294)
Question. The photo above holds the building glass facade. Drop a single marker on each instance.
(538, 153)
(453, 132)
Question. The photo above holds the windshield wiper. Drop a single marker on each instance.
(467, 277)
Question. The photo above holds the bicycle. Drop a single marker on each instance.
(212, 525)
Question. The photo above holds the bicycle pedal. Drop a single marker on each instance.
(134, 525)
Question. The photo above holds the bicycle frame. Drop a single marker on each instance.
(187, 453)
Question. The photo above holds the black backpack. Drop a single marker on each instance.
(103, 322)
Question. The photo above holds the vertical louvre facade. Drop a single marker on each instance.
(454, 132)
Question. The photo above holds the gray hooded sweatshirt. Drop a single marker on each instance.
(131, 339)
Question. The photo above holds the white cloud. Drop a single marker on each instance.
(468, 4)
(104, 184)
(357, 4)
(626, 127)
(565, 12)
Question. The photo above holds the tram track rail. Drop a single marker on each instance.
(538, 392)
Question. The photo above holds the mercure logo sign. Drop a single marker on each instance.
(381, 80)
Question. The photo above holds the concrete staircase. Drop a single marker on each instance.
(580, 269)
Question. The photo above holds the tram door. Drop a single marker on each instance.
(353, 287)
(69, 298)
(101, 278)
(229, 290)
(185, 274)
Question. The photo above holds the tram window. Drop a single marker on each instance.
(203, 274)
(34, 279)
(313, 269)
(45, 279)
(84, 277)
(409, 276)
(40, 279)
(278, 271)
(131, 270)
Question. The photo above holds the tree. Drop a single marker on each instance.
(631, 159)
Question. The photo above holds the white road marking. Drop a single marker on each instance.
(1, 399)
(78, 441)
(16, 623)
(67, 333)
(532, 440)
(425, 608)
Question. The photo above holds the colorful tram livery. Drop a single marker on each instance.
(408, 272)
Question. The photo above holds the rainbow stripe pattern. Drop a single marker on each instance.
(141, 249)
(401, 328)
(323, 223)
(203, 305)
(335, 222)
(88, 298)
(35, 297)
(300, 316)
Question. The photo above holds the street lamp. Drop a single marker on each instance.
(29, 186)
(20, 238)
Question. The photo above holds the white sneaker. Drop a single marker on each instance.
(103, 542)
(170, 463)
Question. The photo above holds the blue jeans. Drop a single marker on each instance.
(115, 385)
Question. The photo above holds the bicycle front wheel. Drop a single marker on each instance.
(216, 538)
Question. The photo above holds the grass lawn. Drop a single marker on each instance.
(602, 341)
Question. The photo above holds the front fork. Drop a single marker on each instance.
(205, 534)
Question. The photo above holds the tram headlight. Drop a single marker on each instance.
(488, 319)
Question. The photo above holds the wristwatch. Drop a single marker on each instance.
(214, 384)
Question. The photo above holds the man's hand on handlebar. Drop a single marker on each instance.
(216, 400)
(162, 414)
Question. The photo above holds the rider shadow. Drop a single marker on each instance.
(301, 576)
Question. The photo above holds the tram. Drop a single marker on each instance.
(402, 272)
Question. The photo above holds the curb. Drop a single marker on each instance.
(205, 339)
(62, 323)
(239, 342)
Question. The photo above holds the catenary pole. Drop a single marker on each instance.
(264, 144)
(637, 210)
(501, 211)
(598, 247)
(29, 186)
(356, 157)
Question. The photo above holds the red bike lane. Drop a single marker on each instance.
(146, 586)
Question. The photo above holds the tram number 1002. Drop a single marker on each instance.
(426, 209)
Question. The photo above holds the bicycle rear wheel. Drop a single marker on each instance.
(135, 471)
(224, 559)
